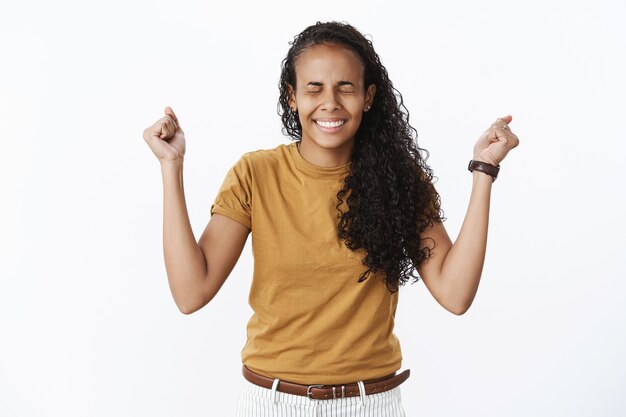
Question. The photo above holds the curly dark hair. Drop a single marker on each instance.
(391, 198)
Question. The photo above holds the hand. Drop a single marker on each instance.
(166, 138)
(496, 142)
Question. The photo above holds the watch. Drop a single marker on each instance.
(484, 167)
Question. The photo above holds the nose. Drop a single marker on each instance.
(329, 100)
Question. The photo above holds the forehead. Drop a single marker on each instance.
(330, 62)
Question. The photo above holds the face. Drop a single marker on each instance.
(330, 95)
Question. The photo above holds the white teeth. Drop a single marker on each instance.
(330, 124)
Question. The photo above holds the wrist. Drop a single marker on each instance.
(478, 177)
(483, 167)
(172, 164)
(172, 168)
(485, 160)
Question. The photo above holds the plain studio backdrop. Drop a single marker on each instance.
(88, 326)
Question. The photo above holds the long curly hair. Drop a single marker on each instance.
(391, 199)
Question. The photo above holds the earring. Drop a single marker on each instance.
(367, 108)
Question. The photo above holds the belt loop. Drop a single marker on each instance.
(362, 393)
(274, 389)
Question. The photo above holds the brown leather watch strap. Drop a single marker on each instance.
(326, 392)
(484, 167)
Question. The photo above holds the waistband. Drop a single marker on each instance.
(326, 392)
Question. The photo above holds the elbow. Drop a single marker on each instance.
(458, 301)
(187, 312)
(459, 310)
(186, 309)
(190, 300)
(192, 305)
(459, 307)
(188, 306)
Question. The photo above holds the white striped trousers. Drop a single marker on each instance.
(256, 401)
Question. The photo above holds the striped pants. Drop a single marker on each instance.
(256, 401)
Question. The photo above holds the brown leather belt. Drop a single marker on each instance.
(327, 392)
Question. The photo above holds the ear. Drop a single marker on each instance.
(369, 95)
(292, 98)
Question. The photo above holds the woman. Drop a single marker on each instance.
(340, 218)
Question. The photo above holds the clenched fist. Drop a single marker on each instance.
(166, 138)
(496, 142)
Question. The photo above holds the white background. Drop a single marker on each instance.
(87, 323)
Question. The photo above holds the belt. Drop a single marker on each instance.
(326, 392)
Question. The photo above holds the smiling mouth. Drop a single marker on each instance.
(330, 125)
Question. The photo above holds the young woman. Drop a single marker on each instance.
(340, 218)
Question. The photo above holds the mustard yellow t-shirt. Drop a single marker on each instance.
(312, 322)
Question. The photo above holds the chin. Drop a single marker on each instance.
(331, 143)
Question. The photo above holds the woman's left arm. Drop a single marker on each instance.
(452, 272)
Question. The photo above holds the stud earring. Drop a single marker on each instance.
(367, 108)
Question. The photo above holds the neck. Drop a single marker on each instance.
(325, 157)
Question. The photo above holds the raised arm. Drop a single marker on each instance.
(453, 271)
(195, 271)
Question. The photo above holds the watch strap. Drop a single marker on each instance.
(484, 167)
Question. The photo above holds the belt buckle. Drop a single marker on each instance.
(308, 390)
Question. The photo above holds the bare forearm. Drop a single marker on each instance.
(463, 265)
(184, 261)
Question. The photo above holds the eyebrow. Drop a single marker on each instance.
(319, 84)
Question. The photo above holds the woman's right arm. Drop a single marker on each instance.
(195, 271)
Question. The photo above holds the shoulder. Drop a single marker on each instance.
(265, 158)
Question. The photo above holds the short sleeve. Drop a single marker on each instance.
(234, 197)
